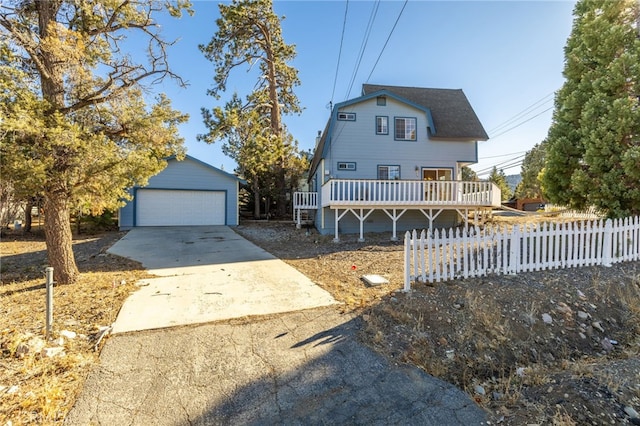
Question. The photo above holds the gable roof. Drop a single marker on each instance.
(449, 114)
(207, 165)
(453, 116)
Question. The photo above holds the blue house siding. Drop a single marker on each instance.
(357, 141)
(188, 174)
(445, 137)
(378, 221)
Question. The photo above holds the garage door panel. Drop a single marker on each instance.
(179, 207)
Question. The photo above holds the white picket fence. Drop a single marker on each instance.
(449, 254)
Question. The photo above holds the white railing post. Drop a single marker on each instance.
(607, 246)
(407, 262)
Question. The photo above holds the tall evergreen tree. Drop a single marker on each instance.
(249, 32)
(593, 146)
(532, 166)
(500, 180)
(75, 126)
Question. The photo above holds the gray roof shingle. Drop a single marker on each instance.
(453, 116)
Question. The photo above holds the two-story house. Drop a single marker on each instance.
(391, 160)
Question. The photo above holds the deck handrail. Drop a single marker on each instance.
(409, 192)
(305, 200)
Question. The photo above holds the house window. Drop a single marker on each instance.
(347, 116)
(346, 165)
(381, 100)
(388, 172)
(437, 174)
(382, 125)
(405, 129)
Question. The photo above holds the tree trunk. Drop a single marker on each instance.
(57, 228)
(256, 201)
(27, 214)
(276, 124)
(57, 225)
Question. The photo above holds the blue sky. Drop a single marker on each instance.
(507, 56)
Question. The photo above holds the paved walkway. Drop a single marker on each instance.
(208, 273)
(304, 367)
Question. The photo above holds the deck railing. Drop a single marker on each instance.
(305, 200)
(364, 192)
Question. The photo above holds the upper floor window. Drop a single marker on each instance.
(382, 125)
(405, 129)
(347, 116)
(388, 172)
(381, 100)
(346, 165)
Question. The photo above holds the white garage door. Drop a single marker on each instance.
(155, 207)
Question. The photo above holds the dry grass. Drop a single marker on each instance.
(487, 334)
(36, 389)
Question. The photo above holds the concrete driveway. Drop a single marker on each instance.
(208, 273)
(304, 367)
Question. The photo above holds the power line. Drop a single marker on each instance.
(387, 41)
(501, 163)
(507, 166)
(503, 155)
(363, 47)
(344, 25)
(521, 123)
(525, 111)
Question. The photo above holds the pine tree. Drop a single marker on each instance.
(249, 32)
(500, 180)
(532, 165)
(75, 125)
(593, 146)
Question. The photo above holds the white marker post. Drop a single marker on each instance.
(49, 284)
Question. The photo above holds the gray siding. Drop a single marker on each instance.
(189, 174)
(378, 221)
(357, 141)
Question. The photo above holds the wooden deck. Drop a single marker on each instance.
(395, 197)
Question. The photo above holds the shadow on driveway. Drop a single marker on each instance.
(299, 368)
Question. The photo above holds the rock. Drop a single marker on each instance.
(581, 295)
(31, 346)
(497, 396)
(68, 334)
(51, 352)
(583, 315)
(582, 335)
(58, 342)
(606, 344)
(597, 326)
(564, 309)
(546, 318)
(479, 390)
(633, 414)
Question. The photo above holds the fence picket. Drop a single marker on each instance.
(442, 255)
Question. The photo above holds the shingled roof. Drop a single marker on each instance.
(452, 114)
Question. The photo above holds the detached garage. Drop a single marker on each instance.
(186, 193)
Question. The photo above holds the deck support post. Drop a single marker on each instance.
(338, 216)
(361, 217)
(394, 217)
(431, 217)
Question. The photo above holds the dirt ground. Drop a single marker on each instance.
(486, 335)
(35, 388)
